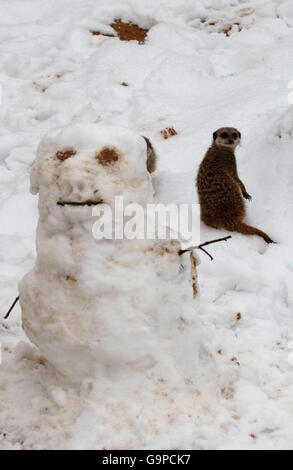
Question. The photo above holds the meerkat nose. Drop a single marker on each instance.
(231, 141)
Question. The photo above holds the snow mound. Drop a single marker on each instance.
(102, 307)
(189, 77)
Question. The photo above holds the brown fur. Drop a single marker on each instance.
(220, 190)
(151, 156)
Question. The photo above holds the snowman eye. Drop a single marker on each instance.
(107, 156)
(62, 156)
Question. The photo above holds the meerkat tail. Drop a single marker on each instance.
(241, 227)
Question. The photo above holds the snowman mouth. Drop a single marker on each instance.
(79, 204)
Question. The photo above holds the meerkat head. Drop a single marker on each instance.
(227, 137)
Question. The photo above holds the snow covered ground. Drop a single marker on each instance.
(204, 65)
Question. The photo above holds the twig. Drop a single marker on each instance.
(11, 308)
(206, 252)
(86, 203)
(200, 247)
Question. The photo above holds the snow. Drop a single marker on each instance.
(286, 12)
(190, 76)
(91, 305)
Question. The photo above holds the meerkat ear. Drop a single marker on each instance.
(215, 135)
(239, 135)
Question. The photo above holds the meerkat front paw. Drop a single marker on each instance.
(247, 196)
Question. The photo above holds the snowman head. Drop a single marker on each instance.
(83, 165)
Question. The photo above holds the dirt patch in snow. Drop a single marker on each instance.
(97, 33)
(65, 154)
(126, 31)
(107, 156)
(226, 22)
(168, 132)
(232, 28)
(221, 26)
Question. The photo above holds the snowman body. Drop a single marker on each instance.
(102, 308)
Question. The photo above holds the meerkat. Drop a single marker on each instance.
(151, 156)
(221, 191)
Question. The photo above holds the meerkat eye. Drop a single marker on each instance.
(235, 136)
(224, 135)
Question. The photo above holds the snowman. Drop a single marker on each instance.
(103, 307)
